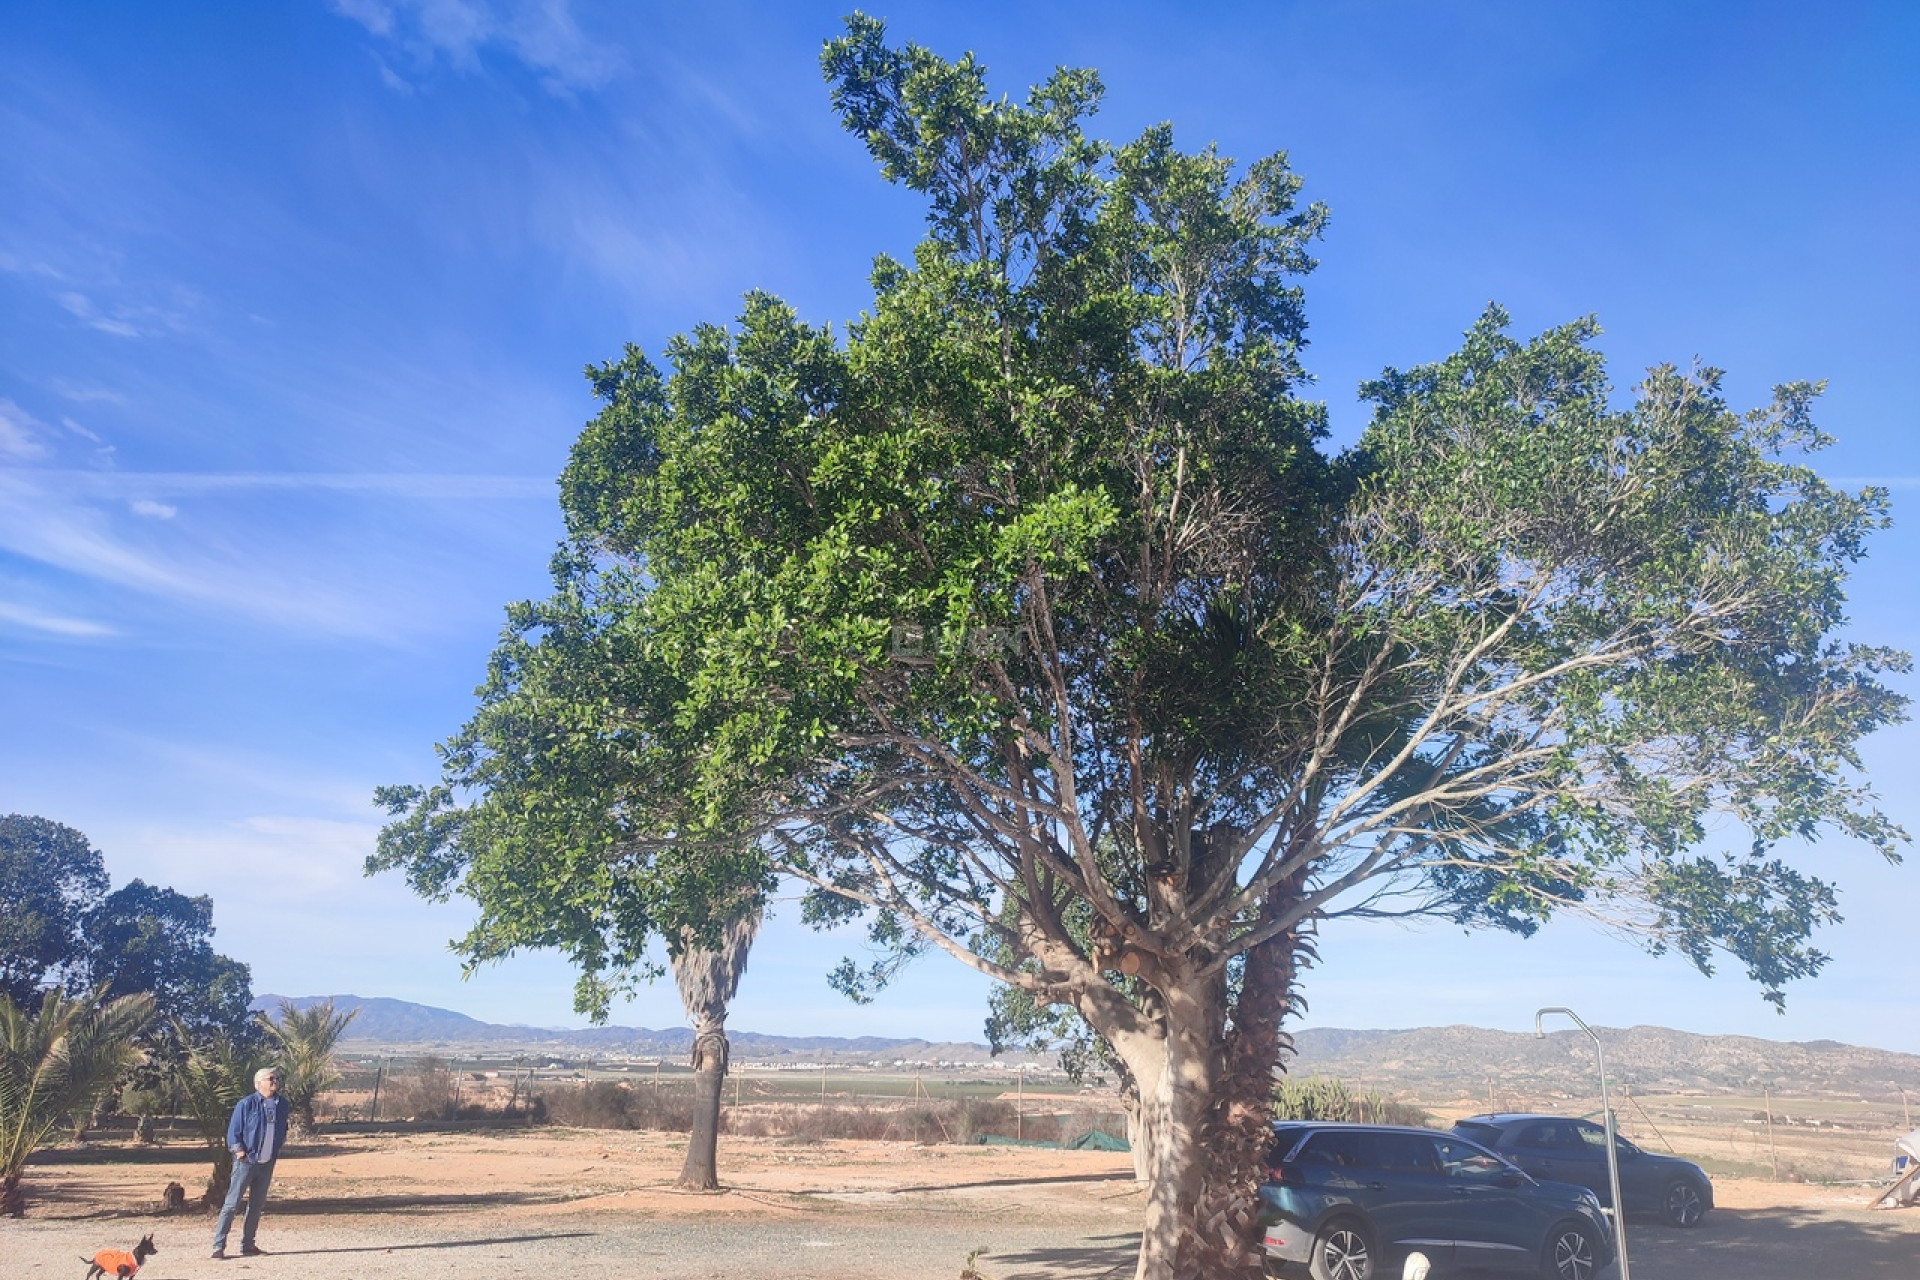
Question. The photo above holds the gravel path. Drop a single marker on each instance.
(480, 1246)
(567, 1205)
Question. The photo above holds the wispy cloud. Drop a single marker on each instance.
(137, 485)
(55, 530)
(124, 321)
(310, 857)
(18, 432)
(21, 616)
(81, 393)
(118, 529)
(541, 34)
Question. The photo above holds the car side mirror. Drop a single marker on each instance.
(1511, 1178)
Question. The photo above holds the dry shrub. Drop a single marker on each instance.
(962, 1120)
(609, 1104)
(425, 1092)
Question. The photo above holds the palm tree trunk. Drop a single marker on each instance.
(221, 1178)
(1225, 1244)
(710, 1048)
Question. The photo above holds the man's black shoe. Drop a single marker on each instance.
(251, 1251)
(219, 1255)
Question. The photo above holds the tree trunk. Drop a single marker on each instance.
(221, 1178)
(1205, 1106)
(13, 1201)
(1138, 1139)
(1239, 1126)
(701, 1171)
(1176, 1095)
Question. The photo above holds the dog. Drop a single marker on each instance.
(118, 1262)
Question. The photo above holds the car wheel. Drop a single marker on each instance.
(1570, 1253)
(1683, 1205)
(1344, 1250)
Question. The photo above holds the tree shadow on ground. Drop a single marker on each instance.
(406, 1202)
(1772, 1244)
(1094, 1258)
(54, 1199)
(180, 1153)
(1126, 1176)
(441, 1244)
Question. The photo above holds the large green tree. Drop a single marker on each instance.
(51, 876)
(1033, 620)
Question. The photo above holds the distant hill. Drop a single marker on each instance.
(1432, 1062)
(1435, 1061)
(400, 1024)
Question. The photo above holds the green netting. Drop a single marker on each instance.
(1098, 1140)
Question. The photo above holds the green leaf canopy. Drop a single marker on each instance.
(1036, 595)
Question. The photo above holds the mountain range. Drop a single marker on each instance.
(1429, 1061)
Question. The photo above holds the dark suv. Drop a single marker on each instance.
(1570, 1150)
(1351, 1201)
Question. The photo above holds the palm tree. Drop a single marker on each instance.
(305, 1040)
(58, 1063)
(215, 1074)
(707, 978)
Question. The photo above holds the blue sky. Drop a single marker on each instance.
(296, 299)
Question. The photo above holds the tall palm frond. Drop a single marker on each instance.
(214, 1075)
(55, 1063)
(304, 1039)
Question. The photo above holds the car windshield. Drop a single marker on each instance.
(1464, 1160)
(1596, 1137)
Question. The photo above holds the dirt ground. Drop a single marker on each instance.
(547, 1203)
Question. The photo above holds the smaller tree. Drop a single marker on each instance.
(708, 975)
(304, 1041)
(144, 937)
(55, 1064)
(215, 1072)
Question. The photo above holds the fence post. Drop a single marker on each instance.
(1773, 1151)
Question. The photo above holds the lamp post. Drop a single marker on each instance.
(1613, 1149)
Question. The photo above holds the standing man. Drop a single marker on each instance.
(255, 1135)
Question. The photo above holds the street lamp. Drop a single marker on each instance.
(1613, 1150)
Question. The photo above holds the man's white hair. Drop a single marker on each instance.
(264, 1072)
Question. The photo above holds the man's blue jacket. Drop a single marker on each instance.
(248, 1128)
